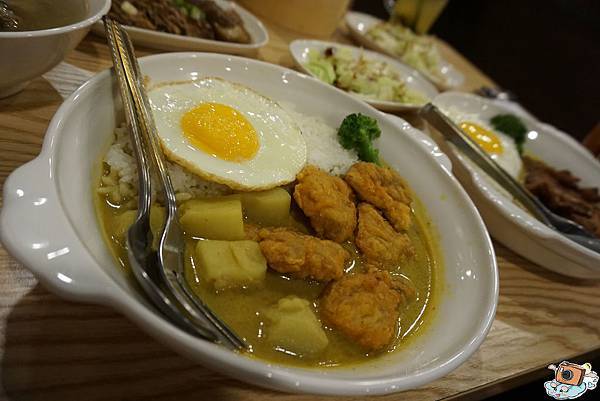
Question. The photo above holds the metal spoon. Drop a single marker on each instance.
(166, 269)
(466, 145)
(143, 260)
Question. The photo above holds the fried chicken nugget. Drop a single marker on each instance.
(328, 202)
(380, 244)
(301, 255)
(365, 307)
(383, 188)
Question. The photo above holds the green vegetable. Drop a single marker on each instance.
(358, 132)
(369, 78)
(321, 67)
(512, 126)
(196, 13)
(322, 70)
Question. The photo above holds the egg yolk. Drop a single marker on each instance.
(221, 131)
(486, 139)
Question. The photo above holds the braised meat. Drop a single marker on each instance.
(301, 255)
(9, 21)
(383, 188)
(381, 245)
(328, 202)
(159, 15)
(560, 192)
(212, 21)
(227, 24)
(365, 307)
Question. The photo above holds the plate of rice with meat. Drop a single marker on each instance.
(219, 26)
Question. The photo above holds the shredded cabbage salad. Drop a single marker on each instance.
(418, 51)
(372, 79)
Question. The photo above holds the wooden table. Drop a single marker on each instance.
(52, 349)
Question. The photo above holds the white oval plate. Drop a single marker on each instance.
(506, 221)
(48, 222)
(414, 80)
(172, 42)
(360, 23)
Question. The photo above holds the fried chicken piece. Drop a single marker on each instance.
(301, 255)
(365, 307)
(383, 188)
(380, 244)
(328, 202)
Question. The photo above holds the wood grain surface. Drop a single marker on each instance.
(52, 349)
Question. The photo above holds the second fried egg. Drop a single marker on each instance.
(500, 147)
(227, 133)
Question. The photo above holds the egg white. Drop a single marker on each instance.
(282, 150)
(509, 159)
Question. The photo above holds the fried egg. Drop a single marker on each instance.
(500, 147)
(227, 133)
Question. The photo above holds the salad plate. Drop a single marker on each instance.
(432, 65)
(416, 89)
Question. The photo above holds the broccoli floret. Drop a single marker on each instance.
(358, 132)
(512, 126)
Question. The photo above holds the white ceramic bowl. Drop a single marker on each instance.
(415, 81)
(506, 221)
(172, 42)
(48, 222)
(27, 55)
(360, 23)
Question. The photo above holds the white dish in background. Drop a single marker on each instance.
(28, 54)
(360, 23)
(414, 80)
(507, 222)
(172, 42)
(48, 222)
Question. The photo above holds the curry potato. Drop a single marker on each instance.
(294, 327)
(267, 208)
(230, 264)
(216, 218)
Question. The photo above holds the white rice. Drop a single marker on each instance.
(323, 151)
(323, 148)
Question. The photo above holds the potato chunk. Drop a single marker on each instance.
(231, 264)
(215, 218)
(293, 326)
(267, 208)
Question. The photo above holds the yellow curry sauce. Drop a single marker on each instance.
(242, 308)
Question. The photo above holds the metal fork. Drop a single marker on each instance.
(160, 273)
(469, 147)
